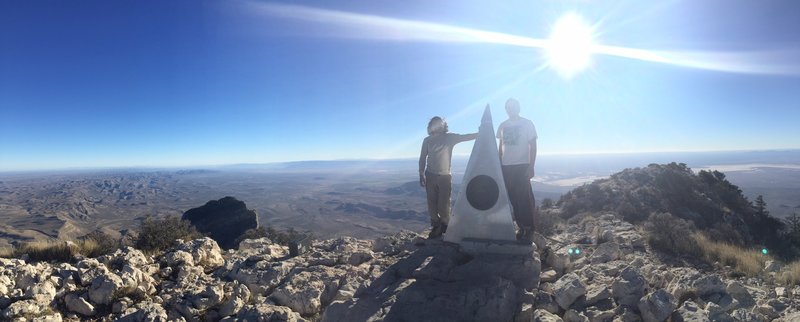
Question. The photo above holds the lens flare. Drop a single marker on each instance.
(570, 45)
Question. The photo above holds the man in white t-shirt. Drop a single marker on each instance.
(518, 155)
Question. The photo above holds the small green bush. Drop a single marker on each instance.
(159, 234)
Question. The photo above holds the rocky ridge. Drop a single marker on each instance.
(597, 270)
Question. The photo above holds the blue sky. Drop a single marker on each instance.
(180, 83)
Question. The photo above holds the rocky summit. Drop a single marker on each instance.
(600, 269)
(224, 220)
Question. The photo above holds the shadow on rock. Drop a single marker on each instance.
(437, 282)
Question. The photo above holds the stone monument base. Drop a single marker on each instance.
(487, 246)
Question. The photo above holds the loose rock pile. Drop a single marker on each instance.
(613, 277)
(403, 277)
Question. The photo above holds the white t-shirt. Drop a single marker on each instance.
(516, 136)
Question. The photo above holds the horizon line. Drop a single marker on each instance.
(276, 163)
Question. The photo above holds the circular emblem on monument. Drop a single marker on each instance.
(482, 192)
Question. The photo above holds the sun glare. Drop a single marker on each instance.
(570, 46)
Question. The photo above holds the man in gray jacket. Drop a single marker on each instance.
(434, 171)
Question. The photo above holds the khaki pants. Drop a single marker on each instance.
(437, 188)
(520, 194)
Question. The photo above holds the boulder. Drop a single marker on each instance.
(546, 301)
(266, 312)
(308, 291)
(43, 292)
(106, 288)
(225, 220)
(205, 253)
(740, 293)
(708, 285)
(690, 312)
(236, 299)
(568, 288)
(628, 287)
(544, 316)
(605, 252)
(596, 293)
(772, 266)
(575, 316)
(145, 312)
(79, 305)
(657, 306)
(262, 249)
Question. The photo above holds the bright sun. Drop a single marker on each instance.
(570, 45)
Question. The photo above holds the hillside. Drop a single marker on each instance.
(706, 199)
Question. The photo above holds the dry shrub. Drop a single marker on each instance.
(668, 234)
(6, 252)
(253, 233)
(747, 261)
(58, 251)
(103, 243)
(547, 220)
(159, 234)
(791, 274)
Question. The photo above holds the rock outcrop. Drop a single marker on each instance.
(224, 220)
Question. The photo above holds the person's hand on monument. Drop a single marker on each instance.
(422, 180)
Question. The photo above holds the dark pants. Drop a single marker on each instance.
(437, 187)
(520, 194)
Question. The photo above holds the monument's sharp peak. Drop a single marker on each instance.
(487, 116)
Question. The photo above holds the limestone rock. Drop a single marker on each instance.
(262, 248)
(596, 293)
(43, 292)
(690, 312)
(544, 316)
(224, 220)
(628, 287)
(260, 276)
(267, 312)
(236, 300)
(606, 252)
(105, 288)
(568, 288)
(657, 306)
(740, 293)
(575, 316)
(21, 309)
(394, 244)
(546, 301)
(205, 253)
(306, 292)
(145, 312)
(79, 305)
(708, 285)
(772, 266)
(548, 276)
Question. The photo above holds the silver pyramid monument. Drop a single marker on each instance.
(481, 219)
